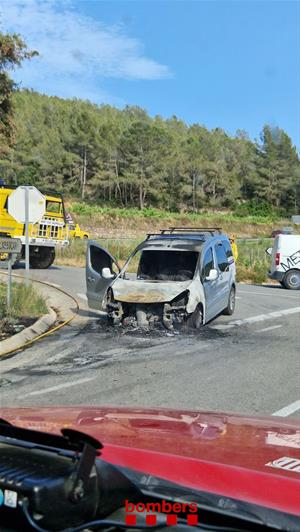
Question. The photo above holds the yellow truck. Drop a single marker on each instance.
(75, 231)
(44, 236)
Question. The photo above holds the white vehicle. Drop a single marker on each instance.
(285, 266)
(181, 275)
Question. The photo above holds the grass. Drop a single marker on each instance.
(252, 264)
(26, 302)
(101, 221)
(120, 230)
(130, 212)
(254, 274)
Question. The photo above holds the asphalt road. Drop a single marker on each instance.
(248, 363)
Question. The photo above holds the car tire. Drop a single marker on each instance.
(229, 310)
(292, 280)
(195, 320)
(113, 322)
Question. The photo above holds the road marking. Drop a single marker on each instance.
(237, 297)
(253, 293)
(288, 410)
(57, 387)
(56, 285)
(82, 296)
(258, 318)
(269, 328)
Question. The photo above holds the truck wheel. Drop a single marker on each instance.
(229, 310)
(292, 280)
(42, 259)
(195, 320)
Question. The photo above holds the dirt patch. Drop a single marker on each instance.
(10, 327)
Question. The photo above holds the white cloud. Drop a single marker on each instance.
(74, 50)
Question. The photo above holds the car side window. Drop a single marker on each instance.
(228, 251)
(221, 257)
(99, 259)
(208, 263)
(227, 248)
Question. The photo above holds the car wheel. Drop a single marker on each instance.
(195, 320)
(229, 310)
(292, 280)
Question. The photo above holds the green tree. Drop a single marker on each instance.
(277, 167)
(125, 157)
(13, 51)
(144, 147)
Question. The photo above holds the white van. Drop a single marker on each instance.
(179, 275)
(285, 266)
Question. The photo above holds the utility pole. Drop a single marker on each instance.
(83, 174)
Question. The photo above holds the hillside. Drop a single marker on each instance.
(103, 222)
(127, 159)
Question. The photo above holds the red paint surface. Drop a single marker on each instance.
(220, 453)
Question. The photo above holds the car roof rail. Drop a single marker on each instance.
(196, 231)
(150, 235)
(211, 230)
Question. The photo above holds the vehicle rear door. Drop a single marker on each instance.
(224, 276)
(98, 258)
(210, 287)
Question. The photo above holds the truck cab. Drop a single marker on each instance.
(44, 236)
(75, 231)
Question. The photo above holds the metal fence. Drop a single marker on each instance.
(250, 250)
(253, 250)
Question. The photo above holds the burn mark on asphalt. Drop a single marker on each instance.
(104, 345)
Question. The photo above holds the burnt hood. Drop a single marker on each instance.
(128, 291)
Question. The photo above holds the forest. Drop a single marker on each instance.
(125, 158)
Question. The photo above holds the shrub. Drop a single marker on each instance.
(256, 207)
(26, 302)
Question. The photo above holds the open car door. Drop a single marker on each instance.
(97, 259)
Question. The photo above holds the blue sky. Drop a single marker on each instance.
(229, 64)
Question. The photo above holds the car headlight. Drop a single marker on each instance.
(181, 300)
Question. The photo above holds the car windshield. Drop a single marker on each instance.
(162, 265)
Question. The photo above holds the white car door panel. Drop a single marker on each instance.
(98, 258)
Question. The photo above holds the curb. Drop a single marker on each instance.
(19, 340)
(45, 325)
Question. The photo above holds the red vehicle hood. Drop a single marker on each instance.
(226, 454)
